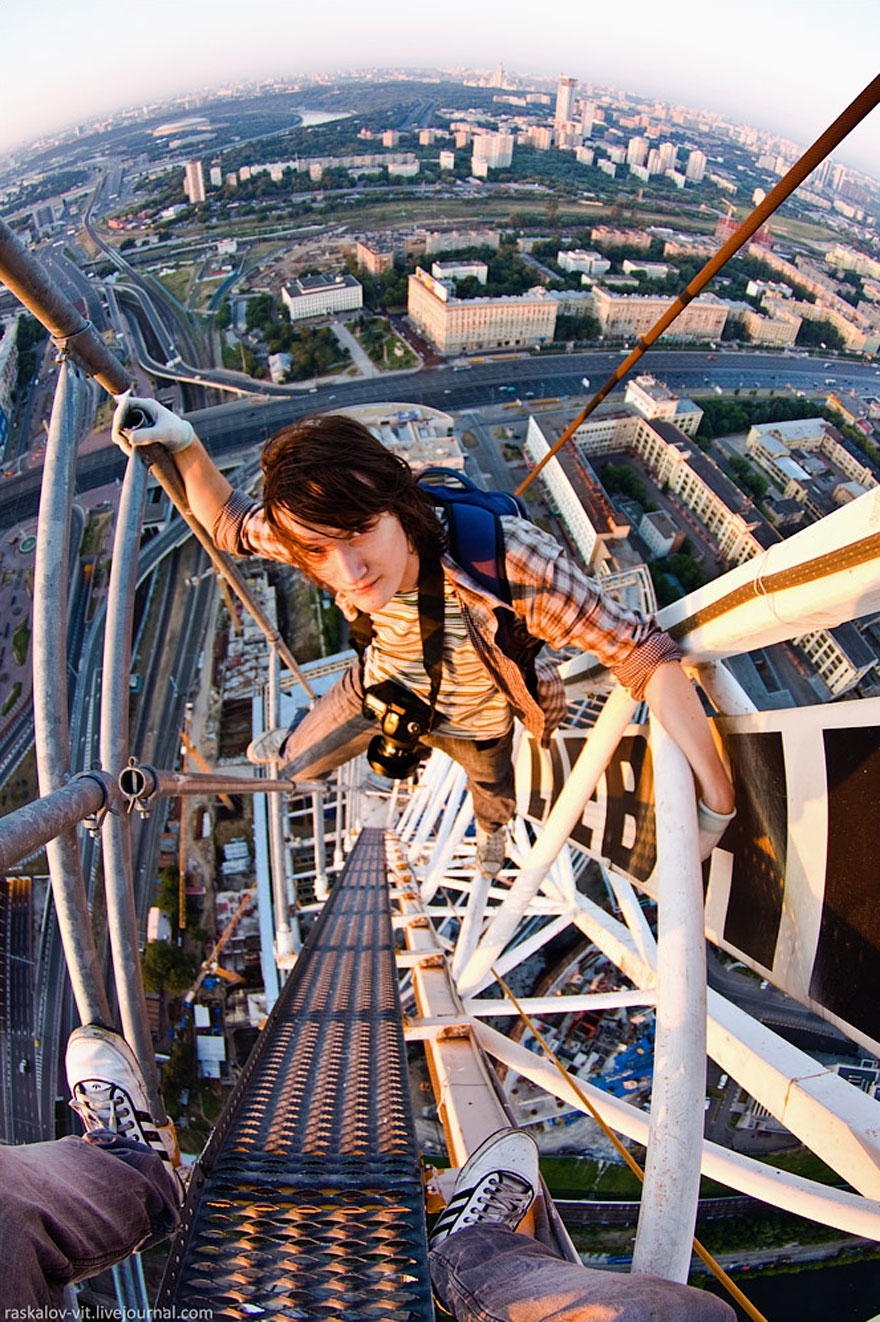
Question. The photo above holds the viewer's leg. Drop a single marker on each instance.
(69, 1211)
(487, 1273)
(483, 1271)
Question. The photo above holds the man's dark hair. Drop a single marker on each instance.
(332, 472)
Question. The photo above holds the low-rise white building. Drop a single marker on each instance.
(577, 259)
(659, 533)
(460, 271)
(279, 366)
(421, 435)
(321, 295)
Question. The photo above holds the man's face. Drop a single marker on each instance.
(364, 569)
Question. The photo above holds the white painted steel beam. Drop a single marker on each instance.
(594, 757)
(668, 1213)
(848, 1212)
(836, 1121)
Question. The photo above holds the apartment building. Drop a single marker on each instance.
(457, 325)
(653, 399)
(194, 182)
(494, 150)
(780, 328)
(436, 241)
(625, 316)
(726, 514)
(606, 236)
(374, 257)
(809, 460)
(577, 259)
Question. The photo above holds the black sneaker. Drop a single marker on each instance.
(496, 1186)
(108, 1092)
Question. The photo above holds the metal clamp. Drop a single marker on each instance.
(137, 785)
(95, 821)
(62, 342)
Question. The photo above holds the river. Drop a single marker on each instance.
(848, 1293)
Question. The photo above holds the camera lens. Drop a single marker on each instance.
(394, 760)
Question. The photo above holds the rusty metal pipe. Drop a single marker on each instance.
(140, 784)
(31, 827)
(31, 286)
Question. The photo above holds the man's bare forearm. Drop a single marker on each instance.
(674, 701)
(207, 490)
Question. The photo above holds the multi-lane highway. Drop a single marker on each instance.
(19, 1060)
(239, 425)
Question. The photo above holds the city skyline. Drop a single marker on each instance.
(822, 60)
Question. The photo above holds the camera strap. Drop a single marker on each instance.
(432, 613)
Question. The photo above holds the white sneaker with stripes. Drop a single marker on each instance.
(496, 1186)
(108, 1092)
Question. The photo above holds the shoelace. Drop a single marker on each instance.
(500, 1193)
(507, 1195)
(106, 1108)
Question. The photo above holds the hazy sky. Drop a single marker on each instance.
(786, 65)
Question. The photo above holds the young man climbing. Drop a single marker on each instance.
(349, 513)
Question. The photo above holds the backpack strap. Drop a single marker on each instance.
(476, 543)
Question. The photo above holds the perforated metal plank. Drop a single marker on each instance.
(308, 1201)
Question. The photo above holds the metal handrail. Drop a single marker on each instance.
(81, 344)
(51, 731)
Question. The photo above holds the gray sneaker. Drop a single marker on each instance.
(267, 747)
(491, 850)
(496, 1186)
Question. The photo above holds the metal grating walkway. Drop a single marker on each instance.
(308, 1201)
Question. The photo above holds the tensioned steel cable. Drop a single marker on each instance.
(862, 106)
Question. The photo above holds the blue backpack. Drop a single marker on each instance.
(476, 543)
(473, 527)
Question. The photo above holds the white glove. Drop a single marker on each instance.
(146, 422)
(711, 826)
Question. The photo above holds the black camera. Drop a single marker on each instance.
(403, 718)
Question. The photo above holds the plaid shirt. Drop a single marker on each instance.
(556, 599)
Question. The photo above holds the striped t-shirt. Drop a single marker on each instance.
(469, 705)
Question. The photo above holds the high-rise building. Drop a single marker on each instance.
(637, 151)
(194, 182)
(696, 167)
(588, 116)
(494, 149)
(216, 176)
(564, 101)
